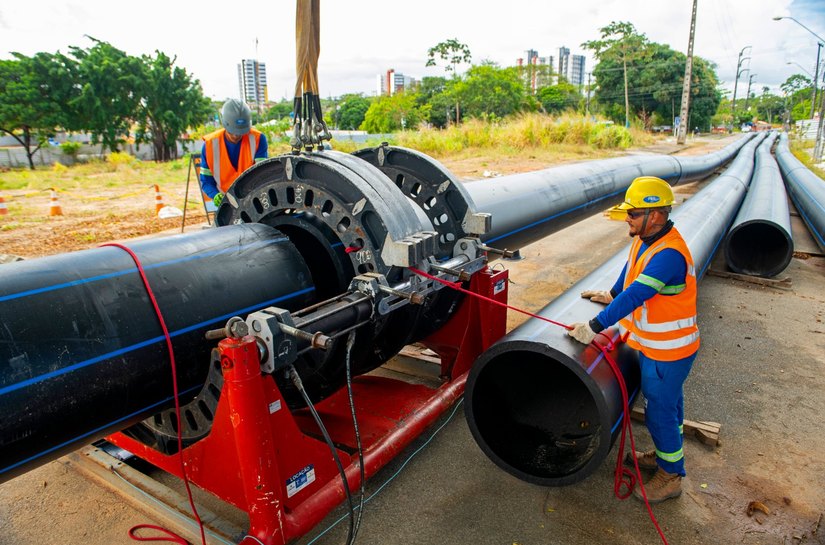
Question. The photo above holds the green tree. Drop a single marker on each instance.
(769, 106)
(351, 111)
(621, 45)
(455, 53)
(541, 74)
(279, 111)
(657, 77)
(802, 110)
(171, 101)
(491, 91)
(452, 51)
(704, 90)
(435, 100)
(558, 98)
(392, 113)
(32, 90)
(109, 99)
(797, 89)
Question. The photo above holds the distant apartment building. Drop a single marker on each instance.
(577, 70)
(393, 82)
(563, 68)
(252, 81)
(567, 66)
(538, 71)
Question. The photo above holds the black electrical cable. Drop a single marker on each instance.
(299, 385)
(362, 491)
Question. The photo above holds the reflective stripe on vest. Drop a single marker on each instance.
(216, 161)
(672, 344)
(252, 146)
(663, 327)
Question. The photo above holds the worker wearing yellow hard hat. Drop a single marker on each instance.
(654, 303)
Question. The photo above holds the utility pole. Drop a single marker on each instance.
(816, 76)
(680, 139)
(626, 98)
(748, 97)
(587, 102)
(255, 66)
(820, 133)
(736, 83)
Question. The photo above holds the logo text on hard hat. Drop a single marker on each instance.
(651, 199)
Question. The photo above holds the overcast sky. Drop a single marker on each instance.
(361, 39)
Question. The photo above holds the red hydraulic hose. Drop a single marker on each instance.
(172, 537)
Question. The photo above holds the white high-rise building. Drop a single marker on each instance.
(577, 70)
(394, 82)
(564, 63)
(252, 81)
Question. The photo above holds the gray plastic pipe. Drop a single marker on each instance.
(807, 190)
(545, 408)
(530, 206)
(759, 242)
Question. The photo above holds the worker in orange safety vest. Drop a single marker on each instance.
(654, 303)
(231, 150)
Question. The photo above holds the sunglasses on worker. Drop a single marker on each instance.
(633, 214)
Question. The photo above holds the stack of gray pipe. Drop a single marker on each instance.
(530, 206)
(759, 242)
(547, 409)
(807, 190)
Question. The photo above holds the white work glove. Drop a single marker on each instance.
(582, 333)
(598, 296)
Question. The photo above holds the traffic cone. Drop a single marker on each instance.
(158, 200)
(163, 211)
(3, 210)
(54, 209)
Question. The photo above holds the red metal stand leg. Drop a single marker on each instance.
(254, 444)
(474, 327)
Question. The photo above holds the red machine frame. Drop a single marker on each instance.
(271, 463)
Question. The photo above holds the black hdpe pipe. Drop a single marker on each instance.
(82, 353)
(546, 409)
(759, 243)
(807, 190)
(530, 206)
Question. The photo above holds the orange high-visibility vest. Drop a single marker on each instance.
(217, 157)
(664, 327)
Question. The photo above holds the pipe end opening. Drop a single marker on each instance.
(534, 417)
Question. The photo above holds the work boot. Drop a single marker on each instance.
(647, 460)
(662, 486)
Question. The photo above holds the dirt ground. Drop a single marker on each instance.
(760, 374)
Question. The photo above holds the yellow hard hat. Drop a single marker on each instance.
(647, 192)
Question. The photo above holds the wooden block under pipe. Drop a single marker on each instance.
(706, 433)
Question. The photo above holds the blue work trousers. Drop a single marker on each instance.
(665, 408)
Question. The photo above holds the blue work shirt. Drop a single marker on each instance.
(667, 266)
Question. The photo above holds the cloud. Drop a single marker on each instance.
(361, 39)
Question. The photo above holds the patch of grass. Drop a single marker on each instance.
(10, 226)
(85, 237)
(524, 132)
(803, 150)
